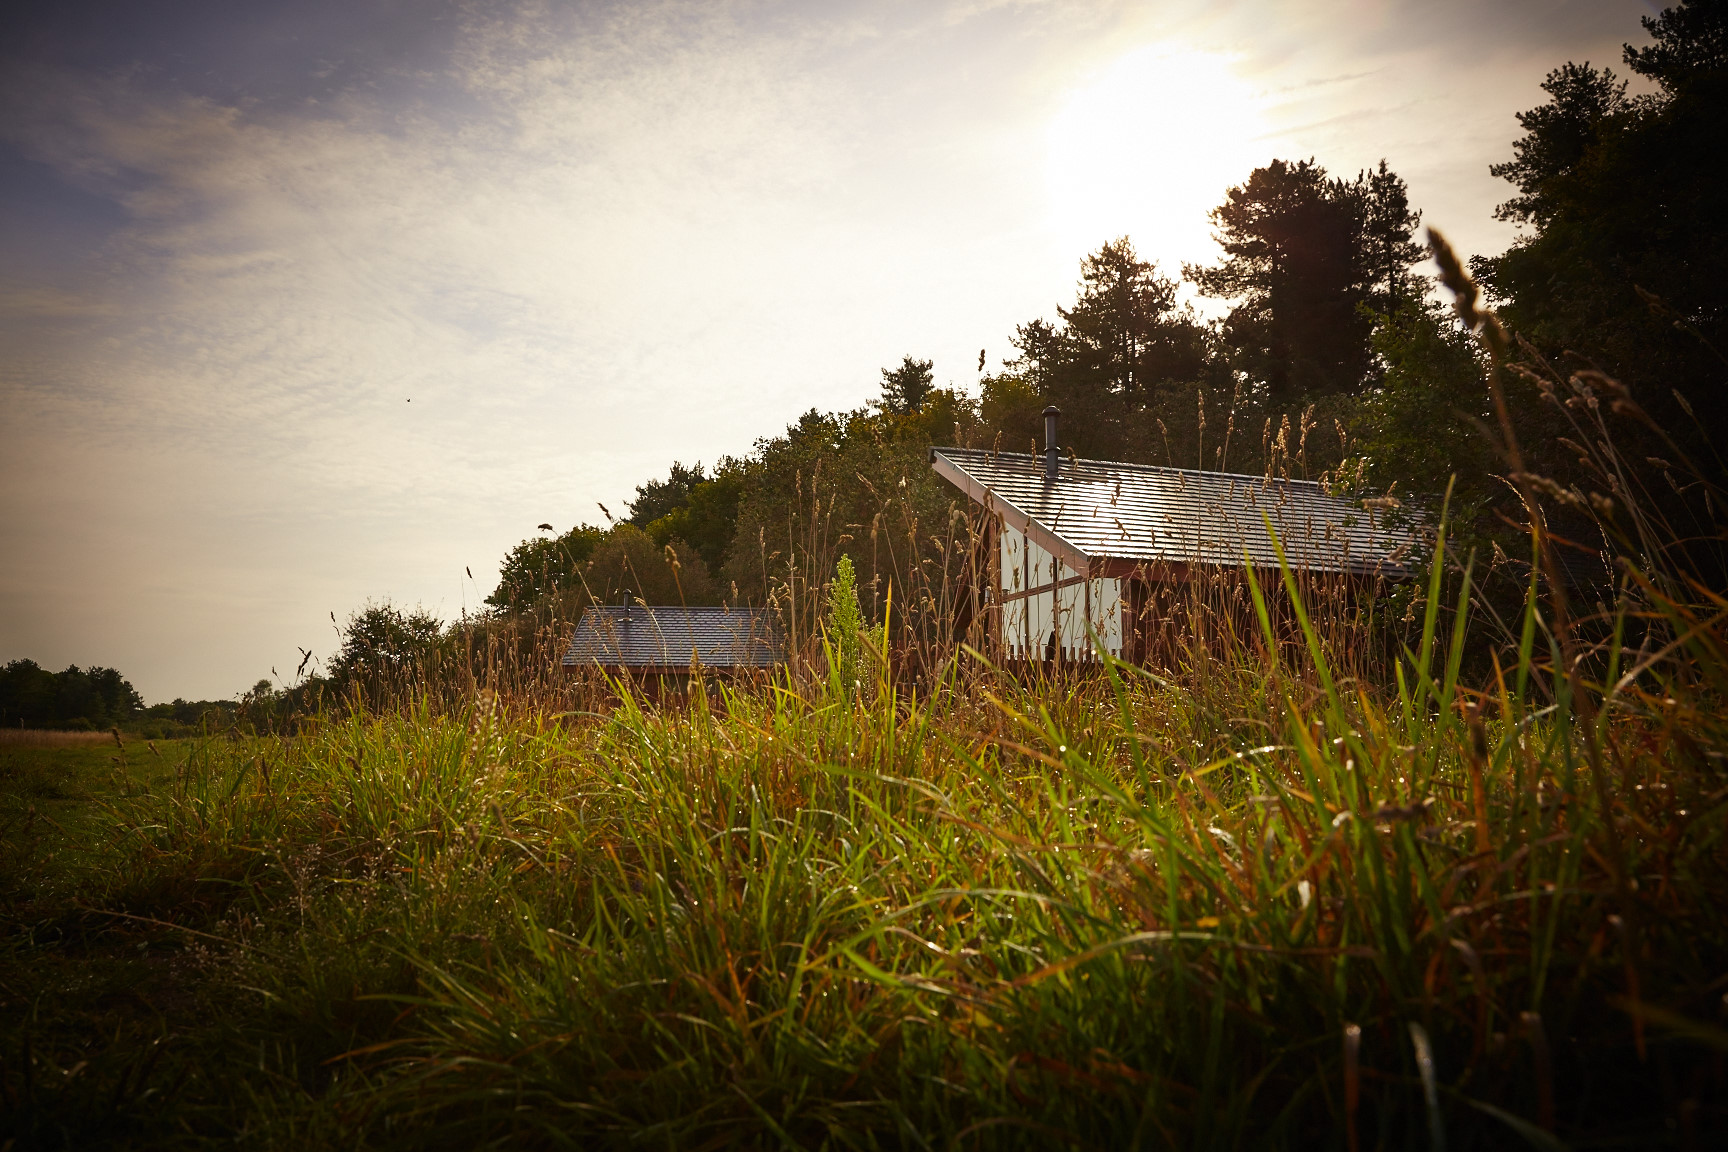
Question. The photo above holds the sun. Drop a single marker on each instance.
(1147, 147)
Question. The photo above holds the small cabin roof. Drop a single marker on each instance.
(1107, 510)
(651, 638)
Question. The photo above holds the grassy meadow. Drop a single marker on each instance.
(1247, 903)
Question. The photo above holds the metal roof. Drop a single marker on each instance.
(671, 637)
(1099, 509)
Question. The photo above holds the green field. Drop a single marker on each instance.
(55, 806)
(1250, 905)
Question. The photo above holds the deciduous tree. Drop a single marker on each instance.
(543, 565)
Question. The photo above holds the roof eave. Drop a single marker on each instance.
(1070, 553)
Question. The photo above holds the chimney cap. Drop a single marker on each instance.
(1052, 410)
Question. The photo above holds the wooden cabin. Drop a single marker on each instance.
(1075, 547)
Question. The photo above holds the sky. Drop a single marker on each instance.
(305, 305)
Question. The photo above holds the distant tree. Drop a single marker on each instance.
(83, 698)
(784, 472)
(183, 717)
(708, 517)
(1420, 426)
(854, 482)
(904, 388)
(1560, 137)
(1307, 258)
(1622, 197)
(1109, 356)
(265, 708)
(1388, 240)
(630, 565)
(542, 566)
(1012, 413)
(657, 498)
(691, 511)
(1688, 57)
(383, 647)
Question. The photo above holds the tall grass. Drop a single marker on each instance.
(1244, 909)
(1263, 897)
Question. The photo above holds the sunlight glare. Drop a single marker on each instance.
(1147, 148)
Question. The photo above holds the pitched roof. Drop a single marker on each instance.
(1100, 509)
(670, 637)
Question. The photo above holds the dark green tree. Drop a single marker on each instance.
(1112, 353)
(383, 647)
(1012, 413)
(858, 483)
(630, 564)
(1306, 259)
(1561, 136)
(1622, 198)
(83, 698)
(1388, 241)
(708, 517)
(657, 498)
(183, 717)
(1421, 425)
(905, 388)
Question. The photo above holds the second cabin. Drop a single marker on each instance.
(1079, 548)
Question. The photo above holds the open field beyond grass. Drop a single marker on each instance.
(50, 738)
(1250, 906)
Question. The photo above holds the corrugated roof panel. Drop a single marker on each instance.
(1108, 510)
(670, 637)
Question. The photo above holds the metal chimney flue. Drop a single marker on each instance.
(1052, 454)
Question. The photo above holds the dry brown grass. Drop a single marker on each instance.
(49, 738)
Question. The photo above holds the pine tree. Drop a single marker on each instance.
(1303, 254)
(905, 388)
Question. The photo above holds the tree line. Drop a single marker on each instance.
(78, 699)
(94, 699)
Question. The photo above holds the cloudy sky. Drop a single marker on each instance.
(308, 303)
